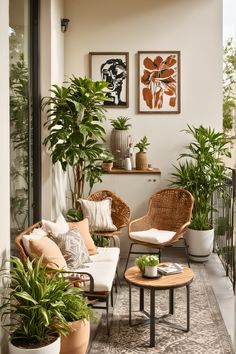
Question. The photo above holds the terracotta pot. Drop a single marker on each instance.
(107, 166)
(141, 161)
(52, 348)
(120, 140)
(76, 342)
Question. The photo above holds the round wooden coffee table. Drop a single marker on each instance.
(166, 282)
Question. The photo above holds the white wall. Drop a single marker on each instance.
(52, 72)
(4, 144)
(193, 27)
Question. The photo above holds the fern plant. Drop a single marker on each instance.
(121, 123)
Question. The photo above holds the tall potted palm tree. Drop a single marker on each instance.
(75, 132)
(201, 171)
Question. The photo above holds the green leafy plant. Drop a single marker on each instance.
(229, 101)
(75, 132)
(121, 123)
(34, 301)
(76, 307)
(142, 145)
(19, 135)
(74, 215)
(107, 157)
(146, 260)
(202, 172)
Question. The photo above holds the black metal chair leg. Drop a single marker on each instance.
(107, 315)
(186, 252)
(127, 262)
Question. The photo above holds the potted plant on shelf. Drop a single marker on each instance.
(75, 132)
(202, 173)
(120, 139)
(107, 161)
(34, 304)
(141, 156)
(148, 265)
(77, 313)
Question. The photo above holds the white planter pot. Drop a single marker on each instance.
(120, 140)
(200, 244)
(150, 271)
(53, 348)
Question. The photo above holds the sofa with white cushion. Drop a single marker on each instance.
(70, 248)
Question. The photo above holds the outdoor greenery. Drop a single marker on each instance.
(201, 171)
(75, 132)
(121, 123)
(229, 98)
(19, 138)
(142, 145)
(146, 260)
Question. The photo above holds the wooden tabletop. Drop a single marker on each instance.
(116, 171)
(134, 276)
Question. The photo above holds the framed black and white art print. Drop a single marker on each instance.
(112, 67)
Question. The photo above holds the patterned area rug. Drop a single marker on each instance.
(207, 335)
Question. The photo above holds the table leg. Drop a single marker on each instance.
(171, 301)
(141, 299)
(152, 318)
(188, 307)
(130, 305)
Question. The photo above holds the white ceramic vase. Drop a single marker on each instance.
(53, 348)
(200, 244)
(150, 271)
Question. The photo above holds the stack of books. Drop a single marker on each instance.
(170, 268)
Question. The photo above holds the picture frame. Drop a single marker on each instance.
(159, 82)
(112, 67)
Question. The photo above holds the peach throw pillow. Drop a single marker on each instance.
(51, 253)
(83, 227)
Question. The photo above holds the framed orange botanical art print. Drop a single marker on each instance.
(159, 81)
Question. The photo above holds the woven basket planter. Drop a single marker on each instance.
(141, 161)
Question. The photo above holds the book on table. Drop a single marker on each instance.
(169, 268)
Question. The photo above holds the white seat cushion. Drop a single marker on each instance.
(103, 274)
(152, 236)
(106, 254)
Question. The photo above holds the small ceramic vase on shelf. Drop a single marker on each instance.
(127, 164)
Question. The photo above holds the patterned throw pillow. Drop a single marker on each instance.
(72, 248)
(98, 214)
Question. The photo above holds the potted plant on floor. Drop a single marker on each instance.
(202, 173)
(32, 308)
(148, 265)
(120, 139)
(77, 313)
(141, 156)
(75, 132)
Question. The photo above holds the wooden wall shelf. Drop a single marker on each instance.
(116, 171)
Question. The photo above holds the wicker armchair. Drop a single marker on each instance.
(165, 223)
(120, 212)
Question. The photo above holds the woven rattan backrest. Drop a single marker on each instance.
(19, 244)
(120, 211)
(170, 208)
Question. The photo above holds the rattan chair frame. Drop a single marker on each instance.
(169, 209)
(120, 212)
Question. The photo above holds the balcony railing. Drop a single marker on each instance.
(224, 221)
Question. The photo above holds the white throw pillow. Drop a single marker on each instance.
(98, 214)
(26, 242)
(58, 227)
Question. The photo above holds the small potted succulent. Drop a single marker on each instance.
(148, 265)
(141, 156)
(120, 139)
(107, 161)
